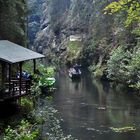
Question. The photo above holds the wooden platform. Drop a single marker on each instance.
(15, 89)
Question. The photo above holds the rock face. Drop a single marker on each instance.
(63, 21)
(52, 22)
(35, 12)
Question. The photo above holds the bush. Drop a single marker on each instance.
(40, 79)
(134, 69)
(97, 70)
(117, 65)
(27, 104)
(25, 131)
(124, 67)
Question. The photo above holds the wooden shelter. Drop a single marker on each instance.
(12, 87)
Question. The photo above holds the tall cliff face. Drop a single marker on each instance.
(35, 13)
(13, 21)
(63, 19)
(52, 21)
(66, 22)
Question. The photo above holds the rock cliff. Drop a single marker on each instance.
(68, 26)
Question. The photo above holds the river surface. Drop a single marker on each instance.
(89, 108)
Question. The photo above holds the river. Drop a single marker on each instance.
(90, 108)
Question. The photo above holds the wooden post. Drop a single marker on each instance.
(3, 73)
(34, 65)
(9, 77)
(20, 80)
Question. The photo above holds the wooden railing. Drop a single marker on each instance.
(15, 89)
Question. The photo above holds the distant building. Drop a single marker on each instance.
(75, 38)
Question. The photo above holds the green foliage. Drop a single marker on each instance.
(131, 9)
(42, 79)
(35, 89)
(116, 65)
(73, 50)
(13, 21)
(73, 45)
(134, 69)
(124, 66)
(28, 66)
(25, 131)
(135, 61)
(45, 74)
(42, 73)
(97, 70)
(25, 101)
(47, 71)
(88, 53)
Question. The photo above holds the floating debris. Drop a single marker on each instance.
(91, 129)
(123, 129)
(101, 108)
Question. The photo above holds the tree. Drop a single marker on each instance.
(131, 10)
(12, 20)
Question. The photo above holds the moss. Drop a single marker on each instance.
(73, 45)
(73, 50)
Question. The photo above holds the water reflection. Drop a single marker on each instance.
(90, 107)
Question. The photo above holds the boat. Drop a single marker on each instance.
(50, 81)
(74, 73)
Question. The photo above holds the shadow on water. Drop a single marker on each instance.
(90, 107)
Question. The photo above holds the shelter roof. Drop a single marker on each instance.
(13, 53)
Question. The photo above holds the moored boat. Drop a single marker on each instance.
(50, 81)
(74, 73)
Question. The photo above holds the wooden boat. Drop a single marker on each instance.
(74, 73)
(50, 81)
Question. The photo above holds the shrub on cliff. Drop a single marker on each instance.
(117, 65)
